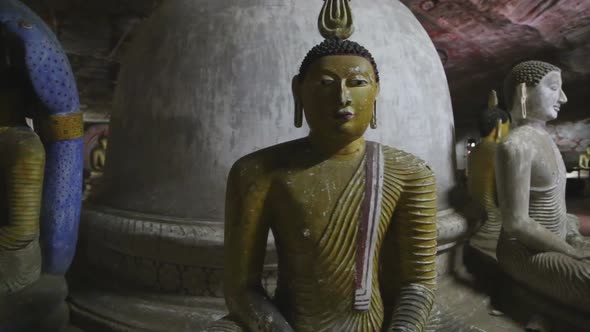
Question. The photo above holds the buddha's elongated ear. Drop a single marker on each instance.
(296, 88)
(523, 97)
(519, 102)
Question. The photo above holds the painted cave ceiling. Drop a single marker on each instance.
(478, 41)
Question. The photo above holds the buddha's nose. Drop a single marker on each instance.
(562, 97)
(344, 94)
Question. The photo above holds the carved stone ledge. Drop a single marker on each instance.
(182, 256)
(163, 254)
(119, 312)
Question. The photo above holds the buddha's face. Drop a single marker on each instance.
(545, 99)
(338, 95)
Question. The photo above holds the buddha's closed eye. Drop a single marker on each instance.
(358, 82)
(327, 81)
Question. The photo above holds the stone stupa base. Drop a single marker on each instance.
(104, 311)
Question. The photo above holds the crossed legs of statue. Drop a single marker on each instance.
(557, 276)
(439, 320)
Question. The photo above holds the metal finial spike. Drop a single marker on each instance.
(493, 99)
(335, 19)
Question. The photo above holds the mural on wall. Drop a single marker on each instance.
(572, 138)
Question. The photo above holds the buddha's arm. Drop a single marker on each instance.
(23, 175)
(415, 222)
(246, 232)
(513, 176)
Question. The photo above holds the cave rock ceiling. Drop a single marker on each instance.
(480, 40)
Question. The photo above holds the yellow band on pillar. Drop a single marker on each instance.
(62, 127)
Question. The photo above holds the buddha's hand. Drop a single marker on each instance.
(582, 253)
(579, 242)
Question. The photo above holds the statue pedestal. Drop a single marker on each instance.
(39, 307)
(100, 311)
(149, 272)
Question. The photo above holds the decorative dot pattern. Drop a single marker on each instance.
(53, 81)
(62, 197)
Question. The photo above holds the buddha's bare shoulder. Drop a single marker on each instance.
(401, 162)
(518, 142)
(23, 141)
(521, 135)
(266, 161)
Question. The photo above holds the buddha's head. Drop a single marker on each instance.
(533, 90)
(337, 85)
(494, 123)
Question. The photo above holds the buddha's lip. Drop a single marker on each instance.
(344, 114)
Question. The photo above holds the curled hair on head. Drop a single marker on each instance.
(528, 72)
(336, 47)
(488, 119)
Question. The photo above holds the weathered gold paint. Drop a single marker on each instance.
(307, 192)
(61, 127)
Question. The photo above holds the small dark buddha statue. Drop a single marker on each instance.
(353, 220)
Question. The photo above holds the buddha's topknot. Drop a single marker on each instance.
(336, 47)
(528, 72)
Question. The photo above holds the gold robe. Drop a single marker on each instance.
(403, 270)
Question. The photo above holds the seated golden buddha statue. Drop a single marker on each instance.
(22, 166)
(494, 124)
(354, 221)
(540, 245)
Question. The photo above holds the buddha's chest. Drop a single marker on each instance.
(547, 168)
(304, 201)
